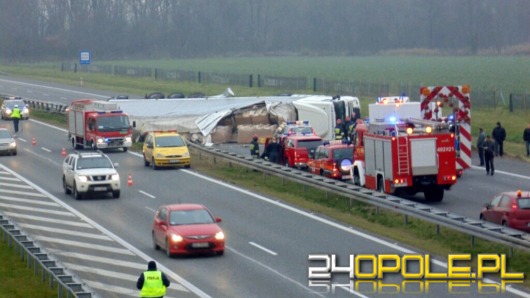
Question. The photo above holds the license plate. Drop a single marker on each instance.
(346, 177)
(200, 244)
(174, 161)
(100, 188)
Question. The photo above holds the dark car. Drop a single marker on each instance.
(511, 209)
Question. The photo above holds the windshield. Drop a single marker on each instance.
(343, 153)
(169, 141)
(524, 203)
(4, 134)
(93, 163)
(309, 144)
(113, 123)
(190, 217)
(11, 103)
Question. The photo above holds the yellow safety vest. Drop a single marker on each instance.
(15, 113)
(153, 285)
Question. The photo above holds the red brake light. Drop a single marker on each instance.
(514, 206)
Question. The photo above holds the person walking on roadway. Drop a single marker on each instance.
(152, 283)
(480, 145)
(499, 135)
(15, 114)
(526, 138)
(489, 155)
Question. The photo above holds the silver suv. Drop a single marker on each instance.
(90, 172)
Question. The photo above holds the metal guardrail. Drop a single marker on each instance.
(41, 261)
(473, 227)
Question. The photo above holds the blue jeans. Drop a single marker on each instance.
(527, 148)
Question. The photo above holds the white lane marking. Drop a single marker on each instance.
(339, 226)
(46, 219)
(150, 209)
(149, 195)
(43, 157)
(66, 232)
(276, 272)
(18, 192)
(263, 248)
(4, 173)
(46, 149)
(92, 246)
(114, 274)
(22, 139)
(35, 202)
(9, 179)
(11, 185)
(503, 172)
(94, 224)
(52, 88)
(121, 291)
(98, 259)
(33, 209)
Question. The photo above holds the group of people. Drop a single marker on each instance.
(345, 130)
(272, 150)
(489, 146)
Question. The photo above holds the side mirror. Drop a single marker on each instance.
(487, 205)
(218, 219)
(150, 145)
(134, 124)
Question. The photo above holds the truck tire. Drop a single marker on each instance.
(435, 194)
(124, 149)
(380, 184)
(356, 178)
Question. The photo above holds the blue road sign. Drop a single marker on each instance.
(84, 57)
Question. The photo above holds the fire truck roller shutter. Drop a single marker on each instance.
(423, 155)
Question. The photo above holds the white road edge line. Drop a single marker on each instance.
(263, 248)
(46, 149)
(133, 249)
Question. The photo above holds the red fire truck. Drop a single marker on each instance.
(399, 153)
(297, 149)
(98, 125)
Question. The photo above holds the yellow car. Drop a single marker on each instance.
(165, 149)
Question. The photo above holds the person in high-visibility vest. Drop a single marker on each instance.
(15, 114)
(152, 283)
(254, 147)
(339, 130)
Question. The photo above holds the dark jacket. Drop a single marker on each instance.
(480, 140)
(140, 282)
(272, 152)
(499, 134)
(489, 147)
(254, 147)
(526, 135)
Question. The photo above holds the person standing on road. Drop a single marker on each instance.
(254, 147)
(152, 283)
(489, 155)
(339, 130)
(526, 138)
(499, 135)
(272, 151)
(15, 114)
(480, 145)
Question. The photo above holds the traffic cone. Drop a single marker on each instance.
(33, 142)
(129, 180)
(63, 152)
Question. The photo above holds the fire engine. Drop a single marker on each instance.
(98, 125)
(298, 149)
(399, 153)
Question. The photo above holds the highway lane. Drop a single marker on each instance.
(268, 243)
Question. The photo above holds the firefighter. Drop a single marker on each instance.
(349, 128)
(339, 130)
(16, 117)
(254, 147)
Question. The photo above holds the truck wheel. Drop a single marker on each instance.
(434, 195)
(124, 149)
(65, 187)
(287, 164)
(380, 184)
(356, 179)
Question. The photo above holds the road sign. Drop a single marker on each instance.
(84, 57)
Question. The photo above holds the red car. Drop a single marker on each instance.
(187, 229)
(511, 209)
(333, 160)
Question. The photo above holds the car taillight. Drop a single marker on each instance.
(514, 206)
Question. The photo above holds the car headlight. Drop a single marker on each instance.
(13, 145)
(187, 154)
(128, 139)
(83, 178)
(100, 141)
(220, 236)
(25, 111)
(176, 238)
(8, 111)
(115, 177)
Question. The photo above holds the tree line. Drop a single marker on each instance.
(34, 30)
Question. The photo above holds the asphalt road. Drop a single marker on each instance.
(106, 241)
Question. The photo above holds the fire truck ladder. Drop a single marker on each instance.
(403, 155)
